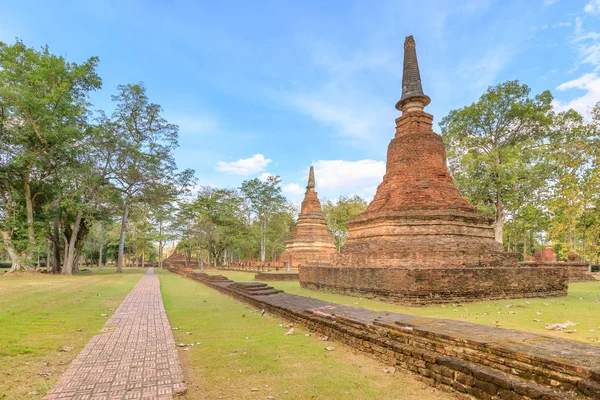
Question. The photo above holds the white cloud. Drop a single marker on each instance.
(348, 176)
(590, 83)
(293, 189)
(549, 2)
(264, 176)
(352, 119)
(565, 24)
(343, 95)
(244, 166)
(590, 53)
(588, 45)
(593, 7)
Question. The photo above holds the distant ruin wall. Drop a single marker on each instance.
(274, 276)
(577, 271)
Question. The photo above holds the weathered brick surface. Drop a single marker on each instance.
(281, 276)
(134, 359)
(438, 285)
(473, 360)
(310, 240)
(576, 271)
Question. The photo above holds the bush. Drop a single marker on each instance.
(5, 264)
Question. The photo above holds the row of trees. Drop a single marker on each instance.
(536, 170)
(221, 226)
(228, 225)
(65, 171)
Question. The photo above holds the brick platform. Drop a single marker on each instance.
(419, 286)
(134, 359)
(476, 361)
(577, 271)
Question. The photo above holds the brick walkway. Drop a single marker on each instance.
(136, 357)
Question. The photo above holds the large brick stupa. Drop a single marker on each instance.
(310, 240)
(419, 241)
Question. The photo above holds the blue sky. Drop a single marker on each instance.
(272, 87)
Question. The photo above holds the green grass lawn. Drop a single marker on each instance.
(245, 356)
(40, 314)
(581, 306)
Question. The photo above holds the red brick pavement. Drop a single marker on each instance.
(134, 359)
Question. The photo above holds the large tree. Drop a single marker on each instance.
(142, 157)
(43, 115)
(264, 200)
(574, 154)
(494, 143)
(338, 213)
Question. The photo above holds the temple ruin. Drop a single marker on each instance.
(419, 241)
(310, 240)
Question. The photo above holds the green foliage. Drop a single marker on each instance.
(496, 148)
(43, 111)
(220, 222)
(337, 214)
(574, 154)
(60, 172)
(264, 200)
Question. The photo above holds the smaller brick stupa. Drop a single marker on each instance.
(310, 240)
(420, 241)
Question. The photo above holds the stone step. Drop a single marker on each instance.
(265, 292)
(254, 288)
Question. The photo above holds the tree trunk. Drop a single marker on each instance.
(29, 207)
(263, 237)
(201, 259)
(101, 247)
(48, 252)
(499, 225)
(143, 256)
(56, 268)
(16, 260)
(77, 261)
(122, 238)
(70, 250)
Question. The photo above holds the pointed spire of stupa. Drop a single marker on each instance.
(412, 91)
(311, 180)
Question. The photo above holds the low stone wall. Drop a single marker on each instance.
(577, 271)
(255, 268)
(418, 286)
(276, 276)
(473, 360)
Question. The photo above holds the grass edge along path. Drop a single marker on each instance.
(581, 306)
(239, 354)
(39, 314)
